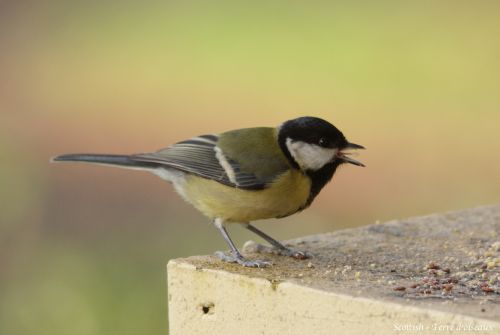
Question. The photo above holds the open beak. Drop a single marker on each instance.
(345, 155)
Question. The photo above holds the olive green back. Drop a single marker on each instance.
(256, 150)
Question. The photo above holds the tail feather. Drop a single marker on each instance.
(115, 160)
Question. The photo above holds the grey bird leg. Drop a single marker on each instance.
(235, 256)
(279, 248)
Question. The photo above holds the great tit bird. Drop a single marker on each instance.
(245, 175)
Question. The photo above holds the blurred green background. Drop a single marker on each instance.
(83, 248)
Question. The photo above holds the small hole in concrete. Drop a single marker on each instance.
(208, 308)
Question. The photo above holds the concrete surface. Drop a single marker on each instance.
(438, 274)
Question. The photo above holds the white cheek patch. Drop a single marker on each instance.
(310, 156)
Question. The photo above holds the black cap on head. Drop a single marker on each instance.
(312, 130)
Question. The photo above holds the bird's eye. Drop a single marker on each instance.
(323, 142)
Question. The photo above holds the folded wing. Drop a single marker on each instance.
(203, 157)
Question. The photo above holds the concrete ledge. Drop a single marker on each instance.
(434, 274)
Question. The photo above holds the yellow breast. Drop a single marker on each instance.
(287, 194)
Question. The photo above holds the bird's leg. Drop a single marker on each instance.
(277, 248)
(235, 256)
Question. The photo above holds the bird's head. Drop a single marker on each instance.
(311, 143)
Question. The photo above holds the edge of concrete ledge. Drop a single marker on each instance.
(221, 302)
(327, 295)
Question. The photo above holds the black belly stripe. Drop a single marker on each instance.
(319, 179)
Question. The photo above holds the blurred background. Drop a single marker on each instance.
(83, 248)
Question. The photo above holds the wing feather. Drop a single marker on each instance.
(199, 157)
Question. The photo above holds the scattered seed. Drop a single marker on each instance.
(433, 266)
(487, 289)
(448, 287)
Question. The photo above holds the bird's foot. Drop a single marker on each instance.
(238, 258)
(251, 246)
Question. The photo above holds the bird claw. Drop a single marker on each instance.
(297, 254)
(252, 246)
(242, 260)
